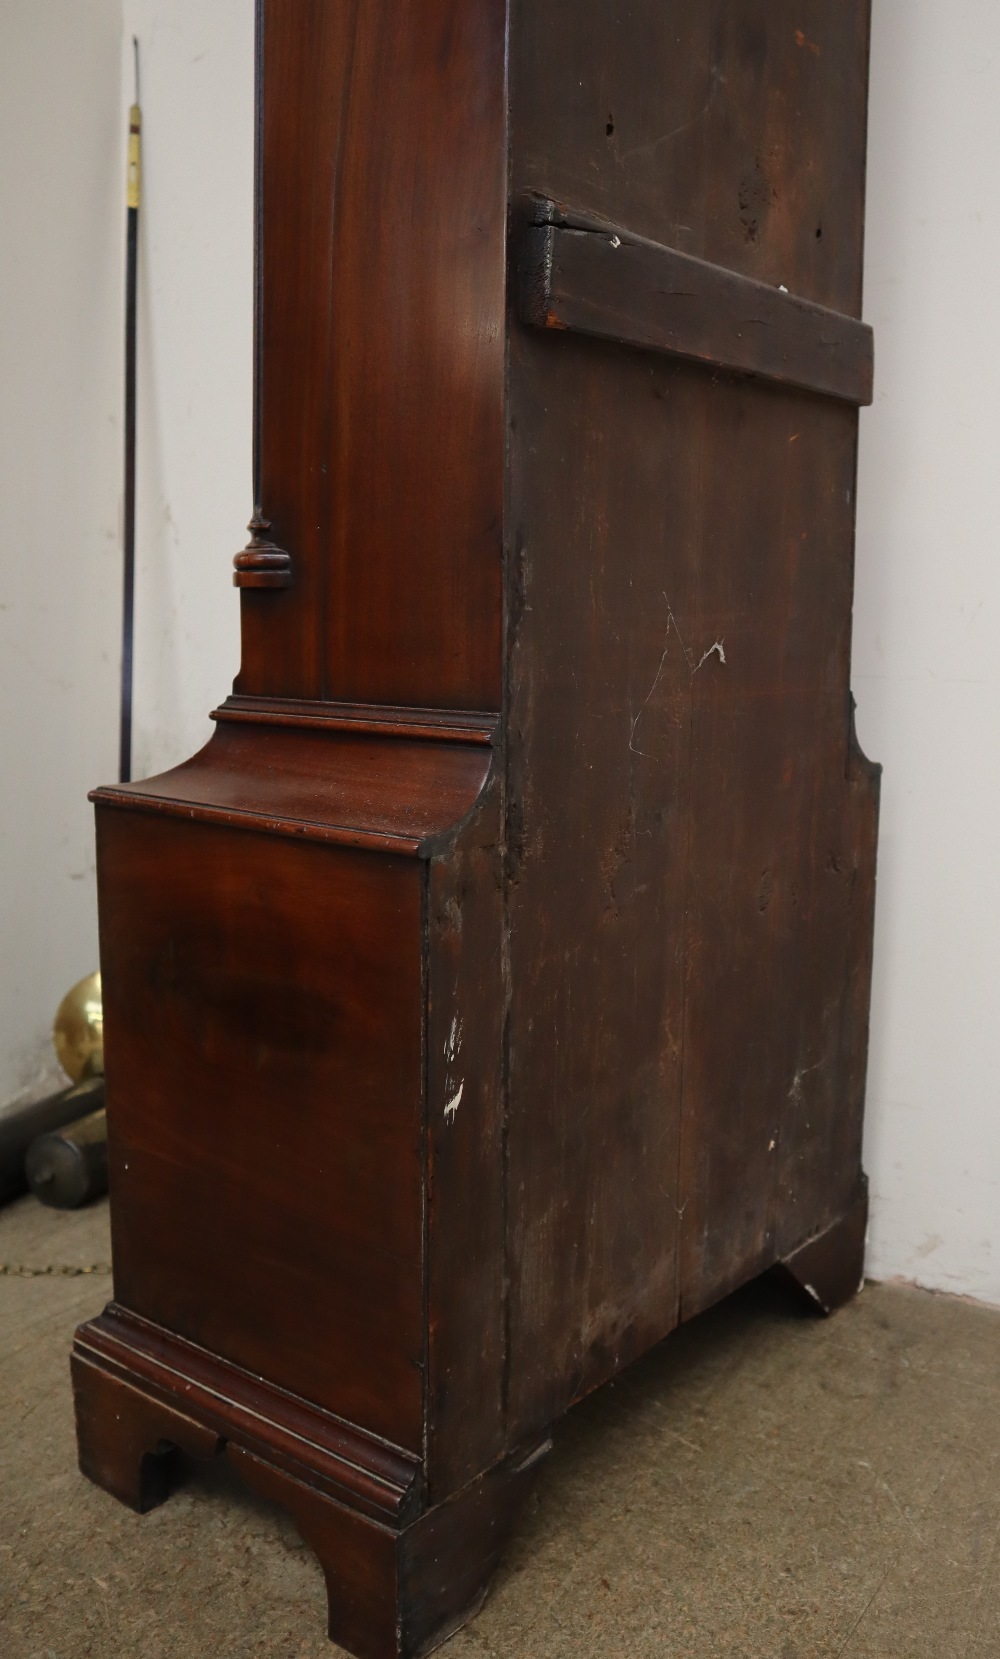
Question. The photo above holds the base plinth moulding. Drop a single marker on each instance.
(828, 1270)
(401, 1574)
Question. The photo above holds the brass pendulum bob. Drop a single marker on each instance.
(78, 1035)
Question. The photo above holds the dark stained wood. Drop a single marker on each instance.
(599, 734)
(359, 1560)
(452, 1551)
(413, 610)
(466, 1275)
(304, 50)
(395, 1594)
(702, 872)
(775, 851)
(127, 1442)
(233, 1404)
(601, 280)
(262, 564)
(399, 1581)
(381, 366)
(828, 1270)
(373, 719)
(679, 656)
(491, 992)
(733, 130)
(318, 784)
(267, 1173)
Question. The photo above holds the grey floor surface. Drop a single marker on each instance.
(762, 1487)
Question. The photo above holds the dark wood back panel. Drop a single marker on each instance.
(491, 992)
(737, 128)
(466, 1268)
(267, 1170)
(381, 351)
(692, 844)
(771, 1138)
(691, 832)
(599, 739)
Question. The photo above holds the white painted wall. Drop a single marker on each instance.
(196, 360)
(927, 621)
(65, 83)
(60, 183)
(928, 566)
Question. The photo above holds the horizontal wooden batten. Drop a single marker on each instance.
(601, 280)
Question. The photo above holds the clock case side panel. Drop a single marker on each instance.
(379, 388)
(466, 1125)
(691, 830)
(263, 1019)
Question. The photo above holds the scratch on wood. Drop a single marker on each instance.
(656, 681)
(718, 649)
(675, 132)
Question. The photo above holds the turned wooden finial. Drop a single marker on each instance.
(262, 564)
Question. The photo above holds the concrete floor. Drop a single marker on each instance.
(762, 1487)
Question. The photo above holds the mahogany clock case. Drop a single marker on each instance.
(491, 993)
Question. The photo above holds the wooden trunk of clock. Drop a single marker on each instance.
(491, 993)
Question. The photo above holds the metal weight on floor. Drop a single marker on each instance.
(22, 1125)
(78, 1037)
(70, 1166)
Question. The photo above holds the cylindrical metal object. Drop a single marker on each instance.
(23, 1124)
(70, 1166)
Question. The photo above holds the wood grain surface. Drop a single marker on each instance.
(602, 280)
(490, 994)
(267, 1172)
(691, 830)
(381, 351)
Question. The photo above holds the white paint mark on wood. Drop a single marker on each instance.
(718, 647)
(795, 1092)
(453, 1043)
(451, 1110)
